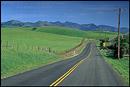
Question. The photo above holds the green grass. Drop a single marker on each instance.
(58, 39)
(14, 62)
(121, 66)
(34, 38)
(8, 26)
(75, 32)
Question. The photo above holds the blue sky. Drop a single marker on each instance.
(82, 12)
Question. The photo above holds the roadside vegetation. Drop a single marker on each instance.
(14, 62)
(110, 55)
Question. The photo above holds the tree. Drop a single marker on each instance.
(124, 46)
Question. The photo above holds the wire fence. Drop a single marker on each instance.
(66, 51)
(17, 47)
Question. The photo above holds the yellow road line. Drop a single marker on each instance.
(66, 75)
(62, 76)
(71, 70)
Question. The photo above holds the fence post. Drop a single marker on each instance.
(38, 48)
(74, 52)
(49, 49)
(46, 49)
(7, 45)
(41, 48)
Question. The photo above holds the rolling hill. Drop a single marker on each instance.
(74, 32)
(84, 27)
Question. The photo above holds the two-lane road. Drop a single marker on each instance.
(86, 69)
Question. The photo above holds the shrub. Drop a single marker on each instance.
(34, 28)
(124, 45)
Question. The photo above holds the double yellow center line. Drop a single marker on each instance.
(68, 72)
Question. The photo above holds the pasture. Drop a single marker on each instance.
(25, 55)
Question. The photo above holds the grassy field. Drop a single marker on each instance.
(16, 61)
(121, 66)
(34, 38)
(58, 39)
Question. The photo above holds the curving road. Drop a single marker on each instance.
(86, 69)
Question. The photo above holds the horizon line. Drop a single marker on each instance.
(61, 22)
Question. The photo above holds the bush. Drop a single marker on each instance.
(124, 46)
(34, 28)
(121, 53)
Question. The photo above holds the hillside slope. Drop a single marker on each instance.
(75, 32)
(30, 38)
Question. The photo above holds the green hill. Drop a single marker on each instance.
(75, 32)
(24, 36)
(8, 26)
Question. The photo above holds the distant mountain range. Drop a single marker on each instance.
(84, 27)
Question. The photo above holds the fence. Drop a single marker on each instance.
(24, 47)
(65, 51)
(37, 48)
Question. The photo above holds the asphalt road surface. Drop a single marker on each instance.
(86, 69)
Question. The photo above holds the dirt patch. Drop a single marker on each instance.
(75, 50)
